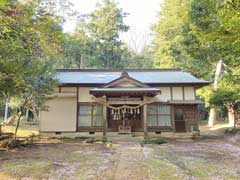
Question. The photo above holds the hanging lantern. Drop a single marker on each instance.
(138, 110)
(112, 111)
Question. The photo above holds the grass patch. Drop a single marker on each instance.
(33, 169)
(1, 120)
(22, 131)
(203, 170)
(160, 168)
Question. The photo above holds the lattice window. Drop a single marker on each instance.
(158, 115)
(90, 115)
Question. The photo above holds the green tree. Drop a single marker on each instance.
(102, 29)
(176, 44)
(228, 94)
(216, 23)
(96, 42)
(195, 35)
(140, 60)
(30, 39)
(170, 31)
(79, 48)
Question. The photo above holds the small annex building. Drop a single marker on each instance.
(124, 101)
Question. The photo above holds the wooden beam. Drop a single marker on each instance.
(105, 103)
(55, 95)
(125, 102)
(171, 92)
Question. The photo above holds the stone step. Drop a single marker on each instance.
(125, 134)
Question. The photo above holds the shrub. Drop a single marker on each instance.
(155, 141)
(232, 131)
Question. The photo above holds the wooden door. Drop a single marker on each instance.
(180, 124)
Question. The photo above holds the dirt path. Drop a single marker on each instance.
(130, 160)
(126, 159)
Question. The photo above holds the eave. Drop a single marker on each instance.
(197, 85)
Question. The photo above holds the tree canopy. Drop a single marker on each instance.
(195, 35)
(30, 41)
(97, 38)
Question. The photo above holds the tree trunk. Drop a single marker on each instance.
(17, 126)
(27, 114)
(235, 118)
(35, 115)
(231, 116)
(213, 111)
(6, 110)
(212, 117)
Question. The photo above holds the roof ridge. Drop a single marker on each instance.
(117, 70)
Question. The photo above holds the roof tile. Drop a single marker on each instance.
(148, 76)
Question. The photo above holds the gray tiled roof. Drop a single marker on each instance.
(106, 76)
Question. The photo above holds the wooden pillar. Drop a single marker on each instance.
(104, 120)
(77, 110)
(173, 118)
(197, 117)
(145, 120)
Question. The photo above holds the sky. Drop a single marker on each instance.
(142, 14)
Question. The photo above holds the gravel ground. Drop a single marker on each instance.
(124, 159)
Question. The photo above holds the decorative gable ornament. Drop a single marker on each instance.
(125, 78)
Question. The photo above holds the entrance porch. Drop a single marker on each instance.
(126, 105)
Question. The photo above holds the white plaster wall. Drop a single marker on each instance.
(189, 93)
(164, 96)
(68, 89)
(83, 94)
(61, 115)
(65, 89)
(177, 93)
